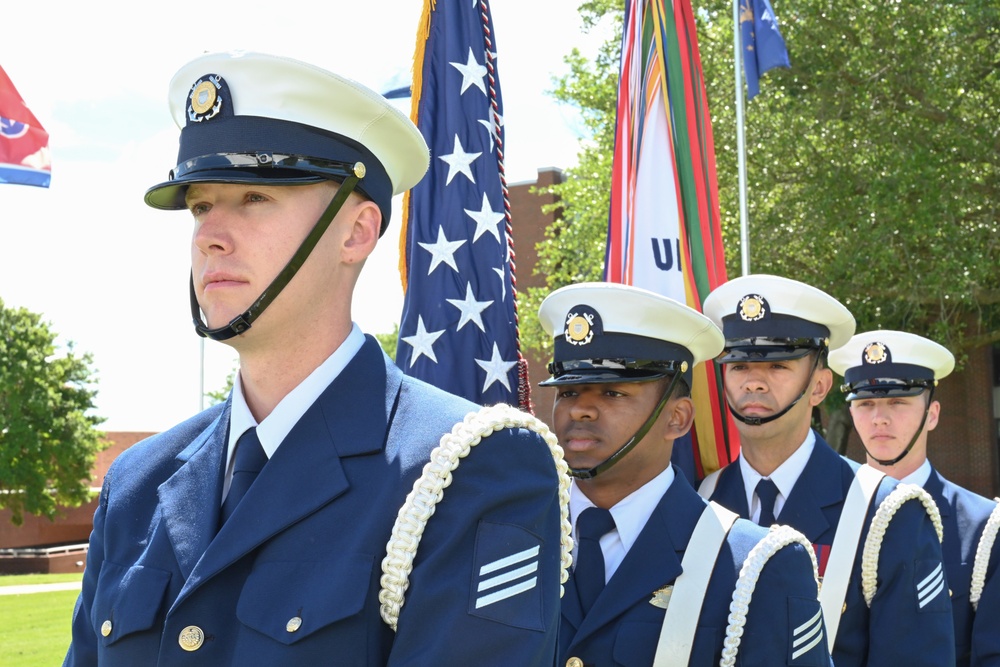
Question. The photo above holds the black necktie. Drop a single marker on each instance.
(766, 492)
(250, 458)
(588, 573)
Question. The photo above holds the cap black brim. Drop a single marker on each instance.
(169, 196)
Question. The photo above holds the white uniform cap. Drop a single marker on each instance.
(239, 112)
(608, 332)
(890, 363)
(765, 316)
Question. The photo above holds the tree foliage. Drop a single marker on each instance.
(389, 340)
(573, 249)
(873, 163)
(48, 442)
(221, 395)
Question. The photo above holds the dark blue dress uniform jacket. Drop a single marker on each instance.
(308, 539)
(623, 628)
(896, 630)
(964, 515)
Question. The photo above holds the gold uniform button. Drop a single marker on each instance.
(294, 623)
(574, 662)
(106, 628)
(191, 638)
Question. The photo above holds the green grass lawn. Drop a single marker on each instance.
(24, 579)
(36, 626)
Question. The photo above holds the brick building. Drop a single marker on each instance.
(40, 545)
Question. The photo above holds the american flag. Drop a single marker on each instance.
(24, 143)
(459, 328)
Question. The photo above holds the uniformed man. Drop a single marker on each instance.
(890, 377)
(646, 581)
(778, 333)
(253, 533)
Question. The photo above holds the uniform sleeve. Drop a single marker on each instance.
(784, 621)
(83, 647)
(986, 624)
(484, 589)
(911, 620)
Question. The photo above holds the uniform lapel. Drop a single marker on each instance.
(960, 537)
(653, 561)
(730, 492)
(935, 487)
(570, 606)
(349, 418)
(819, 486)
(190, 498)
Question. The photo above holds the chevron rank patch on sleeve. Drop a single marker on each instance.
(930, 588)
(506, 584)
(807, 632)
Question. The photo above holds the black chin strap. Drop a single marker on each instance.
(757, 421)
(913, 440)
(590, 473)
(241, 323)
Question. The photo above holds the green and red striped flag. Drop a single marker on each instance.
(664, 232)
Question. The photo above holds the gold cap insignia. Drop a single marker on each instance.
(752, 307)
(661, 598)
(875, 353)
(205, 100)
(579, 329)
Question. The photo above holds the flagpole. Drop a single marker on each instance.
(741, 142)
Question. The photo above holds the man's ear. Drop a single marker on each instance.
(681, 417)
(365, 222)
(822, 382)
(933, 414)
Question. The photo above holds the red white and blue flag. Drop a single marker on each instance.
(459, 328)
(24, 143)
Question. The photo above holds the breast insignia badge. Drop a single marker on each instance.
(661, 598)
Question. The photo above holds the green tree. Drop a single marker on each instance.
(873, 163)
(573, 249)
(388, 341)
(48, 441)
(222, 395)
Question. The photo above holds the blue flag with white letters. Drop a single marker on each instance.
(763, 46)
(459, 328)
